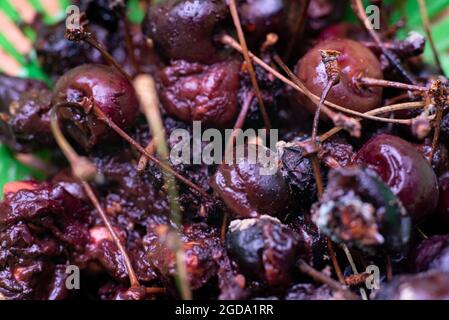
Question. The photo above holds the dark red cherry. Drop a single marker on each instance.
(359, 209)
(183, 29)
(197, 92)
(263, 248)
(248, 192)
(355, 61)
(405, 170)
(94, 85)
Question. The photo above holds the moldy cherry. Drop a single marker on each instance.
(197, 92)
(359, 209)
(263, 248)
(432, 253)
(184, 29)
(86, 86)
(355, 61)
(405, 170)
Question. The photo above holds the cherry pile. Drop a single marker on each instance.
(363, 166)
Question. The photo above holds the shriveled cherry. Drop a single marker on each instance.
(197, 92)
(184, 29)
(81, 89)
(355, 61)
(263, 248)
(405, 170)
(248, 192)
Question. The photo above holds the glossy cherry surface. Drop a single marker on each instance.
(248, 192)
(405, 170)
(184, 29)
(94, 85)
(355, 61)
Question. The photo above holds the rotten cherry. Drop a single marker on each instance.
(359, 209)
(263, 248)
(355, 61)
(402, 167)
(82, 89)
(206, 93)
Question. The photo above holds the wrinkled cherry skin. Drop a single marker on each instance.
(94, 85)
(405, 170)
(184, 29)
(355, 61)
(247, 193)
(196, 92)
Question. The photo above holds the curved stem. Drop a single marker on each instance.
(371, 82)
(100, 114)
(228, 40)
(75, 160)
(305, 268)
(132, 275)
(361, 14)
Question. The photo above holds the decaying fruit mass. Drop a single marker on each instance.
(350, 121)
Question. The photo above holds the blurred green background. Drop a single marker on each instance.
(11, 170)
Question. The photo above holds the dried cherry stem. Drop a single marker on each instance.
(240, 120)
(426, 23)
(149, 106)
(129, 40)
(228, 40)
(349, 124)
(438, 96)
(147, 95)
(330, 60)
(143, 160)
(354, 268)
(298, 29)
(356, 279)
(79, 34)
(249, 64)
(93, 198)
(318, 276)
(75, 162)
(333, 256)
(371, 82)
(385, 109)
(155, 290)
(436, 133)
(421, 233)
(361, 14)
(36, 163)
(165, 167)
(82, 167)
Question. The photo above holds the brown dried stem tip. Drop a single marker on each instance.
(439, 97)
(79, 33)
